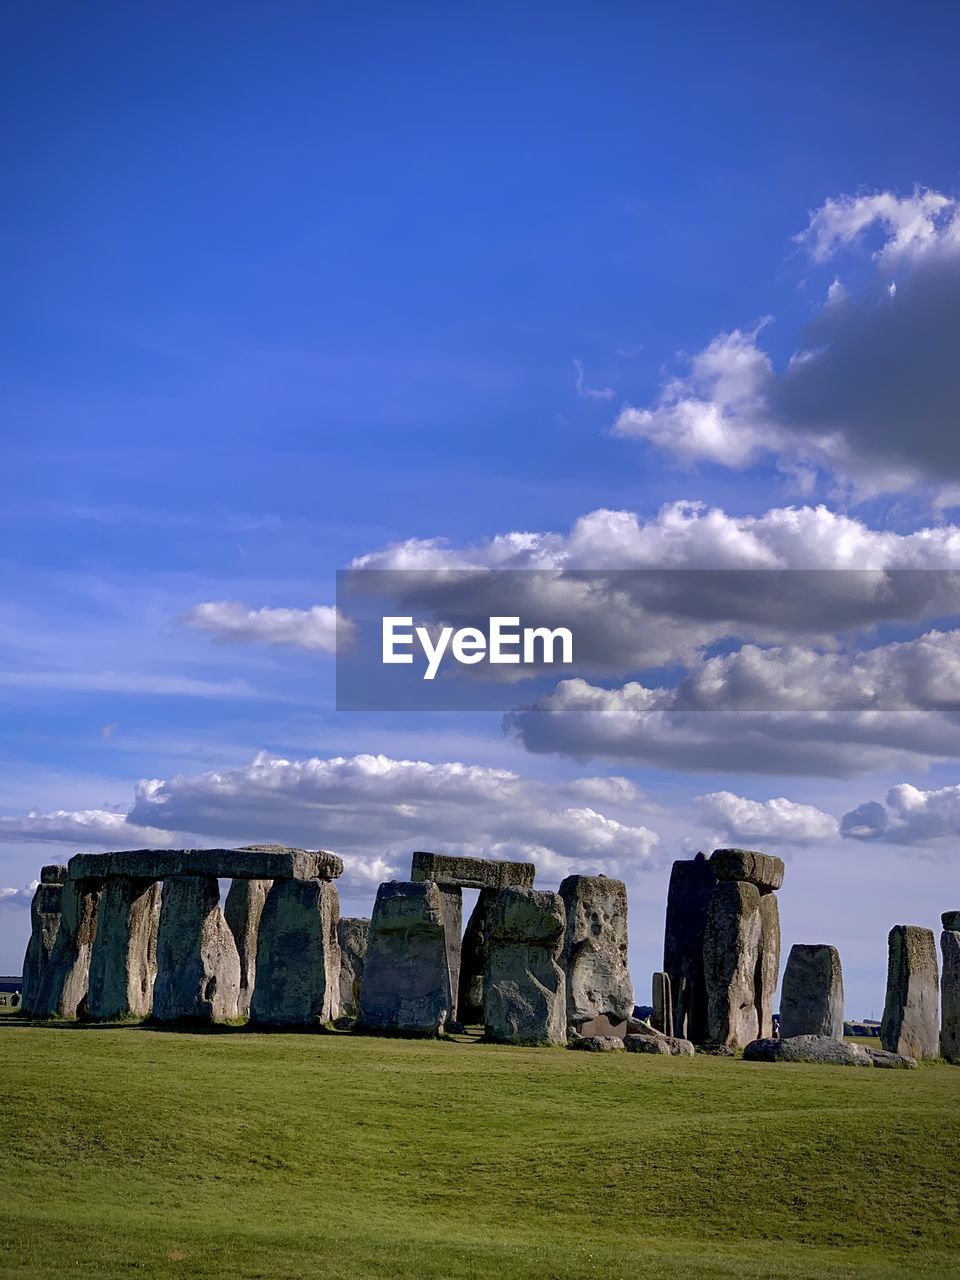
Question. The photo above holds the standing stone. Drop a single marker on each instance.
(768, 970)
(353, 934)
(406, 977)
(63, 984)
(811, 1002)
(692, 882)
(242, 911)
(950, 990)
(451, 906)
(731, 954)
(595, 949)
(662, 1004)
(910, 1024)
(298, 956)
(44, 923)
(198, 967)
(525, 998)
(473, 957)
(123, 960)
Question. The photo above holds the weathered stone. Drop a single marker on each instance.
(243, 910)
(63, 984)
(674, 1045)
(691, 885)
(662, 1003)
(951, 920)
(524, 991)
(448, 870)
(44, 924)
(451, 906)
(731, 954)
(54, 873)
(123, 959)
(811, 1000)
(198, 967)
(715, 1050)
(353, 933)
(950, 995)
(595, 949)
(253, 862)
(762, 869)
(824, 1050)
(473, 957)
(600, 1026)
(768, 970)
(406, 980)
(298, 956)
(910, 1024)
(597, 1044)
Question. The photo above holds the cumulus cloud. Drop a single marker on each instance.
(231, 622)
(910, 816)
(18, 897)
(777, 710)
(773, 822)
(872, 390)
(96, 828)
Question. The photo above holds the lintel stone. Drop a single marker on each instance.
(471, 873)
(252, 862)
(762, 869)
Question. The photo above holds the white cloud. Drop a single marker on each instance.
(99, 828)
(776, 821)
(590, 393)
(231, 622)
(910, 816)
(913, 225)
(18, 897)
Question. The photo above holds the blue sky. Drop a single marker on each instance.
(289, 285)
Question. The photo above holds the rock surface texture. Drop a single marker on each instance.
(910, 1023)
(525, 992)
(243, 910)
(762, 869)
(123, 959)
(824, 1050)
(406, 979)
(44, 924)
(595, 949)
(198, 967)
(950, 994)
(298, 956)
(811, 1000)
(731, 955)
(65, 978)
(353, 933)
(692, 883)
(252, 862)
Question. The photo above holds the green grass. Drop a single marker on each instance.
(135, 1152)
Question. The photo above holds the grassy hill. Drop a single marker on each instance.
(129, 1151)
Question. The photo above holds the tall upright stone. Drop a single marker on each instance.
(353, 934)
(123, 959)
(473, 957)
(298, 955)
(731, 955)
(768, 971)
(594, 955)
(406, 977)
(242, 911)
(950, 987)
(44, 923)
(692, 882)
(525, 994)
(662, 1004)
(910, 1023)
(65, 978)
(198, 967)
(811, 1000)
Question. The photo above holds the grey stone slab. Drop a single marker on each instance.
(406, 978)
(448, 870)
(525, 989)
(253, 862)
(65, 978)
(44, 924)
(198, 967)
(595, 949)
(662, 1003)
(243, 910)
(768, 972)
(811, 1001)
(353, 933)
(692, 883)
(950, 995)
(123, 959)
(53, 873)
(731, 954)
(762, 869)
(298, 956)
(911, 1024)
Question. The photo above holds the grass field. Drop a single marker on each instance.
(131, 1151)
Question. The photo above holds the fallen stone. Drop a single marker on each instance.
(950, 995)
(910, 1023)
(673, 1045)
(597, 1044)
(637, 1027)
(595, 949)
(716, 1050)
(253, 862)
(881, 1058)
(471, 873)
(525, 991)
(123, 959)
(198, 966)
(762, 869)
(731, 954)
(406, 980)
(44, 924)
(601, 1026)
(811, 999)
(823, 1050)
(353, 933)
(298, 956)
(662, 1003)
(243, 910)
(692, 883)
(66, 975)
